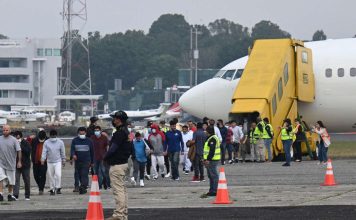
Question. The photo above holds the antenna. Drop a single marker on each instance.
(74, 76)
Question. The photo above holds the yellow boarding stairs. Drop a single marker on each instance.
(278, 75)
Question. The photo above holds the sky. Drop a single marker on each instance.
(42, 19)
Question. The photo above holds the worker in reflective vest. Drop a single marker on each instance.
(287, 140)
(267, 137)
(253, 135)
(212, 157)
(259, 141)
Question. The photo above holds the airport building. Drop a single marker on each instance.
(29, 72)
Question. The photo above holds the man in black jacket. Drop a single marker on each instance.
(117, 157)
(25, 169)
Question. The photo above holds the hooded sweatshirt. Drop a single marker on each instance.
(53, 151)
(156, 140)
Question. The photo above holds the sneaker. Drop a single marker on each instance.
(211, 194)
(142, 183)
(27, 199)
(109, 187)
(11, 198)
(186, 172)
(40, 192)
(167, 175)
(223, 163)
(133, 181)
(195, 179)
(231, 162)
(162, 175)
(76, 189)
(16, 196)
(297, 161)
(155, 178)
(58, 191)
(147, 177)
(82, 191)
(202, 179)
(52, 192)
(176, 179)
(1, 198)
(286, 165)
(319, 163)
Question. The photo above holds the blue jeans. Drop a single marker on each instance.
(322, 152)
(286, 147)
(174, 159)
(223, 152)
(100, 170)
(212, 170)
(268, 142)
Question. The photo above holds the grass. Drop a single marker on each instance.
(342, 149)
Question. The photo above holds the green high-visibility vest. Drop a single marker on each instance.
(258, 132)
(217, 154)
(265, 134)
(254, 136)
(285, 135)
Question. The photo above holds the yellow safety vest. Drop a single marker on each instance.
(265, 134)
(258, 132)
(285, 136)
(254, 136)
(217, 154)
(165, 129)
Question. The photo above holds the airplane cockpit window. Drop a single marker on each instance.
(353, 72)
(228, 74)
(340, 72)
(219, 73)
(328, 73)
(238, 73)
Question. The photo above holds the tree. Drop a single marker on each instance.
(268, 30)
(319, 35)
(3, 36)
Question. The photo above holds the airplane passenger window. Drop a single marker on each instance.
(328, 73)
(238, 73)
(274, 104)
(228, 74)
(353, 72)
(280, 89)
(285, 73)
(340, 72)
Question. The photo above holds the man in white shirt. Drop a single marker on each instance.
(238, 135)
(187, 136)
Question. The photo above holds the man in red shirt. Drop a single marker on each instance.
(100, 145)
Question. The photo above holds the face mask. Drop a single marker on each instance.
(41, 140)
(130, 129)
(82, 136)
(97, 133)
(53, 139)
(154, 131)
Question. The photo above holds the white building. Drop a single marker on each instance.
(29, 72)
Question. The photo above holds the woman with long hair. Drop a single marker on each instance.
(323, 142)
(287, 140)
(300, 137)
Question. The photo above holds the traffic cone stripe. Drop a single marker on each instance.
(329, 172)
(95, 193)
(222, 176)
(222, 181)
(222, 186)
(95, 199)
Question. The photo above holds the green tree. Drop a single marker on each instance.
(319, 35)
(268, 30)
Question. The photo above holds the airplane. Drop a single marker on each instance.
(334, 67)
(30, 114)
(138, 115)
(23, 115)
(10, 115)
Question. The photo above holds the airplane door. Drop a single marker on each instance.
(305, 88)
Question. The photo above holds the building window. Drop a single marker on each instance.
(353, 72)
(340, 72)
(274, 104)
(280, 89)
(56, 52)
(48, 51)
(4, 93)
(40, 52)
(285, 73)
(304, 57)
(328, 73)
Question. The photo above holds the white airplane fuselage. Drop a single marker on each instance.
(335, 96)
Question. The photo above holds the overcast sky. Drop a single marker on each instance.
(41, 18)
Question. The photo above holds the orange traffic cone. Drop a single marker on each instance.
(222, 196)
(95, 208)
(329, 176)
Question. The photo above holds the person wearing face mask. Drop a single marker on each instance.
(25, 169)
(156, 140)
(146, 133)
(100, 145)
(54, 153)
(186, 136)
(39, 170)
(82, 153)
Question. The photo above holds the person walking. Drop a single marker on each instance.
(164, 129)
(187, 135)
(323, 141)
(54, 153)
(267, 137)
(259, 141)
(81, 151)
(253, 141)
(9, 150)
(212, 156)
(174, 146)
(39, 170)
(156, 140)
(91, 127)
(139, 159)
(223, 131)
(236, 140)
(25, 170)
(229, 142)
(287, 140)
(100, 147)
(199, 138)
(121, 148)
(300, 137)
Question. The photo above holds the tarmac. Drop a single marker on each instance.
(258, 190)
